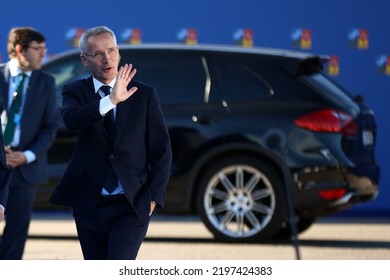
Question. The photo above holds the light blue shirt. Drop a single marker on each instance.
(15, 76)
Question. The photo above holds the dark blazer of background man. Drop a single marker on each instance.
(26, 154)
(113, 225)
(5, 177)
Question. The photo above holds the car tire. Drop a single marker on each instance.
(242, 199)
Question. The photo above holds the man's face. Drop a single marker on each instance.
(31, 58)
(102, 57)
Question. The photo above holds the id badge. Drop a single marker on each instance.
(17, 119)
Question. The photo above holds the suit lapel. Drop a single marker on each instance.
(91, 96)
(30, 93)
(5, 86)
(123, 109)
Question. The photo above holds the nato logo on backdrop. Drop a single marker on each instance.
(132, 36)
(383, 64)
(358, 38)
(243, 37)
(73, 35)
(302, 38)
(187, 36)
(333, 66)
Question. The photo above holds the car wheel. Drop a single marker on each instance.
(241, 199)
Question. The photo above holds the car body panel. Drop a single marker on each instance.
(221, 101)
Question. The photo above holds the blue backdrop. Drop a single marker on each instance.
(333, 26)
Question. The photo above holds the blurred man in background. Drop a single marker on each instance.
(30, 119)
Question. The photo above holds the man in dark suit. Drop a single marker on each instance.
(30, 119)
(5, 177)
(120, 167)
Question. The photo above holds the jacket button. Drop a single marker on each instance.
(111, 156)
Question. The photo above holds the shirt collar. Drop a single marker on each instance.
(97, 84)
(15, 70)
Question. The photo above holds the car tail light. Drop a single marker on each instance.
(332, 194)
(328, 120)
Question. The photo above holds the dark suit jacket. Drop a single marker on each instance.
(39, 122)
(5, 174)
(140, 155)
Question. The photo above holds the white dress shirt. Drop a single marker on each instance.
(105, 106)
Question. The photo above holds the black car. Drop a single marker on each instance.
(250, 128)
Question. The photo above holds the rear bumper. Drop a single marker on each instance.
(358, 189)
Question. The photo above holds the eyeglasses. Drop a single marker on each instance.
(39, 49)
(101, 54)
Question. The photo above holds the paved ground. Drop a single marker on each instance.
(169, 238)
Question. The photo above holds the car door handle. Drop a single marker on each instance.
(206, 119)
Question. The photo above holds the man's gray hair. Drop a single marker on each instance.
(97, 30)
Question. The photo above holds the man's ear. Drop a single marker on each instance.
(18, 49)
(84, 61)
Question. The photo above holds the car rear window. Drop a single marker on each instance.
(330, 90)
(66, 70)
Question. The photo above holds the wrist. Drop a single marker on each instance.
(111, 97)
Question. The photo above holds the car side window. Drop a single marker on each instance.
(179, 78)
(65, 71)
(241, 81)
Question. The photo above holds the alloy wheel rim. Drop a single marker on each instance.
(239, 201)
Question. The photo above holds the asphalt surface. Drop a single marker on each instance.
(52, 236)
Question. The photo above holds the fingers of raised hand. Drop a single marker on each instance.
(132, 90)
(126, 72)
